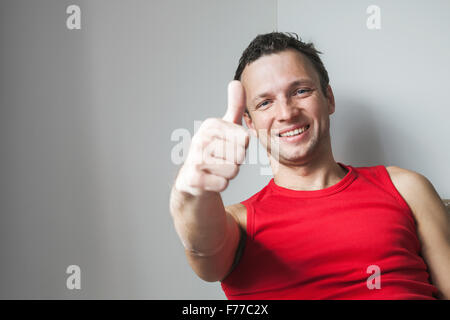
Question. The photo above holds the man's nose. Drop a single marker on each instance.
(286, 110)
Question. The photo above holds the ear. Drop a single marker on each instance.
(330, 98)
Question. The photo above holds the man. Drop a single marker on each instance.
(320, 229)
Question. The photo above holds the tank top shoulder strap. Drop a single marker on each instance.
(379, 175)
(250, 217)
(249, 206)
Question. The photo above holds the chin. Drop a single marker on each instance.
(290, 157)
(298, 155)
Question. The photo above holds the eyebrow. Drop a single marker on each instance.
(292, 84)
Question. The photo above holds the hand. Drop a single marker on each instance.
(217, 149)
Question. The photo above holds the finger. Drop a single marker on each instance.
(209, 182)
(236, 102)
(227, 150)
(220, 168)
(236, 134)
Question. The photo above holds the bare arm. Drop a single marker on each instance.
(211, 234)
(433, 224)
(208, 232)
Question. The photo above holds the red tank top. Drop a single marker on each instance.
(320, 244)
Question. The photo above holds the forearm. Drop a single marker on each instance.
(200, 221)
(209, 234)
(215, 265)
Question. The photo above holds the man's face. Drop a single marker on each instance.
(283, 94)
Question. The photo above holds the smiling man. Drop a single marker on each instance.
(320, 227)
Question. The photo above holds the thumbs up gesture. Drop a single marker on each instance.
(217, 149)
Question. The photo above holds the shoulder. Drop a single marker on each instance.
(239, 213)
(403, 176)
(414, 187)
(433, 223)
(408, 181)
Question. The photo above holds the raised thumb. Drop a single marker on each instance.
(236, 102)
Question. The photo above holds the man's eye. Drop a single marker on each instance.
(298, 91)
(263, 104)
(302, 91)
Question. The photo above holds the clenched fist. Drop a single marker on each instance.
(217, 149)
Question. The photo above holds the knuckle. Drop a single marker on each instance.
(197, 168)
(234, 171)
(194, 177)
(240, 155)
(201, 143)
(205, 123)
(193, 157)
(209, 123)
(222, 185)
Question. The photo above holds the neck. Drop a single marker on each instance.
(315, 174)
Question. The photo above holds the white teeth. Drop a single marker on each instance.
(293, 132)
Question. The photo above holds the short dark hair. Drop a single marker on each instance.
(265, 44)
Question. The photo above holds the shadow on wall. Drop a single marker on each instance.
(356, 134)
(362, 137)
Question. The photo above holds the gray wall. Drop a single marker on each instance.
(87, 118)
(86, 123)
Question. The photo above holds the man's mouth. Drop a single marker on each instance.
(294, 132)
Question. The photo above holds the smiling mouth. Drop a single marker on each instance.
(294, 132)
